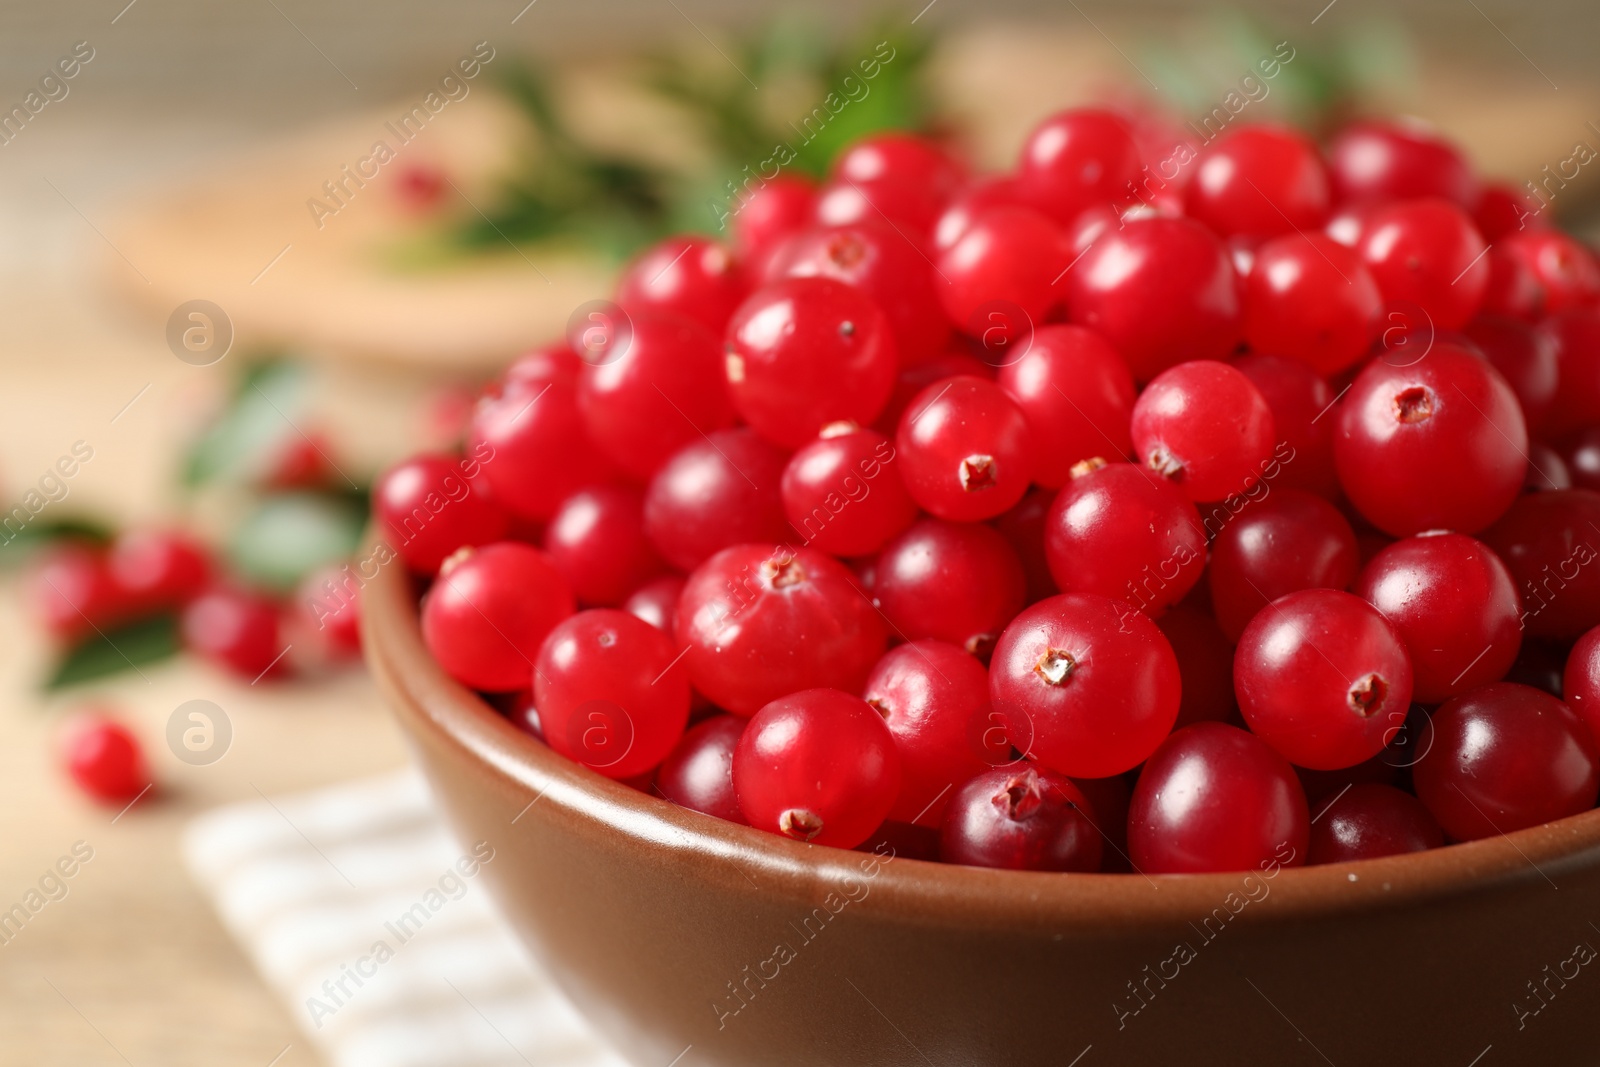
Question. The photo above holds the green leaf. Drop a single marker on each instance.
(260, 416)
(116, 650)
(292, 534)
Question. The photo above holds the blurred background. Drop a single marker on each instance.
(201, 152)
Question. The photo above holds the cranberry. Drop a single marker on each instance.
(611, 692)
(656, 601)
(917, 377)
(329, 609)
(1371, 820)
(1506, 757)
(1312, 298)
(1437, 444)
(104, 759)
(541, 451)
(957, 582)
(1580, 682)
(1540, 665)
(1582, 458)
(1290, 541)
(975, 200)
(597, 541)
(1205, 427)
(818, 765)
(1550, 542)
(239, 630)
(691, 276)
(761, 622)
(1023, 526)
(1539, 273)
(805, 352)
(71, 591)
(1205, 664)
(1323, 678)
(1454, 605)
(1020, 819)
(1076, 159)
(1524, 356)
(431, 507)
(155, 570)
(1301, 403)
(781, 207)
(1161, 290)
(1119, 532)
(899, 177)
(1576, 338)
(1010, 256)
(1428, 253)
(554, 362)
(698, 773)
(1502, 210)
(964, 450)
(1062, 662)
(1216, 798)
(1546, 469)
(1077, 396)
(1259, 181)
(1398, 161)
(843, 492)
(489, 612)
(718, 491)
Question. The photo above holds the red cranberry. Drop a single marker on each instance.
(489, 612)
(554, 362)
(691, 276)
(1290, 541)
(1301, 403)
(1398, 161)
(1524, 356)
(431, 507)
(1546, 469)
(698, 773)
(1162, 291)
(1009, 256)
(781, 207)
(1506, 757)
(805, 352)
(1580, 682)
(1205, 664)
(761, 622)
(1077, 396)
(1550, 541)
(818, 765)
(156, 570)
(1454, 605)
(239, 631)
(1312, 298)
(1259, 181)
(957, 582)
(843, 492)
(896, 176)
(964, 451)
(1323, 678)
(1023, 526)
(1428, 253)
(1370, 820)
(975, 200)
(611, 692)
(104, 759)
(1021, 819)
(656, 601)
(1062, 662)
(1437, 444)
(718, 491)
(71, 592)
(917, 377)
(1581, 458)
(329, 609)
(1576, 338)
(1205, 427)
(541, 452)
(1216, 798)
(1538, 273)
(1076, 159)
(1502, 211)
(597, 541)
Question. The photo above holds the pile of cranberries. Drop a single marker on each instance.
(1071, 519)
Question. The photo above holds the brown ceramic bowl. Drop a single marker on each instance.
(694, 942)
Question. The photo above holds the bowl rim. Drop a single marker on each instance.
(439, 711)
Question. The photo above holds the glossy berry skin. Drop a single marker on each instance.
(1301, 402)
(914, 379)
(1537, 273)
(541, 449)
(1289, 541)
(780, 208)
(1575, 336)
(486, 617)
(610, 693)
(104, 759)
(1161, 290)
(157, 570)
(718, 491)
(1020, 818)
(1077, 396)
(1323, 678)
(1076, 159)
(71, 592)
(428, 507)
(805, 352)
(1549, 543)
(1506, 757)
(656, 601)
(1374, 161)
(1312, 298)
(761, 621)
(976, 199)
(1455, 606)
(698, 773)
(1259, 182)
(818, 765)
(662, 389)
(239, 631)
(1007, 254)
(1580, 681)
(903, 177)
(932, 695)
(1427, 253)
(1501, 211)
(597, 542)
(1370, 820)
(1546, 470)
(1023, 527)
(1205, 427)
(882, 263)
(1581, 459)
(1438, 444)
(1085, 687)
(964, 450)
(1122, 532)
(1525, 357)
(1216, 798)
(554, 362)
(956, 582)
(687, 275)
(842, 492)
(1205, 664)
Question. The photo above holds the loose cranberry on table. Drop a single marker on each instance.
(1371, 820)
(1311, 298)
(1060, 668)
(1550, 542)
(698, 773)
(71, 592)
(896, 176)
(817, 765)
(489, 612)
(1576, 338)
(687, 275)
(104, 759)
(541, 448)
(843, 494)
(1398, 160)
(239, 630)
(1075, 159)
(781, 207)
(1580, 683)
(156, 570)
(1020, 818)
(952, 581)
(1077, 396)
(1289, 541)
(328, 603)
(1427, 253)
(597, 541)
(1205, 427)
(721, 490)
(656, 601)
(963, 449)
(1259, 181)
(428, 507)
(1011, 256)
(1301, 402)
(1506, 757)
(1216, 798)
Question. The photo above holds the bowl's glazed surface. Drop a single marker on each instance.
(694, 942)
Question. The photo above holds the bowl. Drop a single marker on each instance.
(692, 942)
